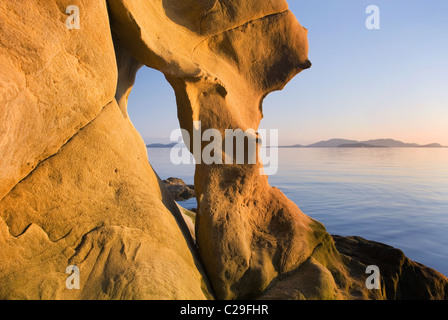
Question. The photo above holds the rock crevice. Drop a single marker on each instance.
(237, 27)
(39, 162)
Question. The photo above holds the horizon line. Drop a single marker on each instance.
(297, 145)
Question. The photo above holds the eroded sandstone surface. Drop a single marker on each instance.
(76, 187)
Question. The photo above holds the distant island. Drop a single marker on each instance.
(360, 145)
(378, 143)
(161, 145)
(341, 143)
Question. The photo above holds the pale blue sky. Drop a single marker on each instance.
(364, 84)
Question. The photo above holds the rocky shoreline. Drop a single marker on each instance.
(179, 190)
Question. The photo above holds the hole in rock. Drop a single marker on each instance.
(153, 111)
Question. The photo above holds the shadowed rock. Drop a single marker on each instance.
(178, 189)
(401, 278)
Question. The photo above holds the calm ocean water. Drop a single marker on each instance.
(395, 196)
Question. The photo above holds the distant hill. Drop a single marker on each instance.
(377, 143)
(333, 143)
(433, 145)
(161, 145)
(340, 143)
(359, 145)
(390, 143)
(293, 146)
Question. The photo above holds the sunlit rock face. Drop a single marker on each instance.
(76, 186)
(226, 58)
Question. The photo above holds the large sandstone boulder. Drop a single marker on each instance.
(97, 204)
(53, 81)
(76, 185)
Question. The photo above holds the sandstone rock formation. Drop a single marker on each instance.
(76, 186)
(53, 81)
(247, 232)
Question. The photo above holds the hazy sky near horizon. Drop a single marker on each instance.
(364, 84)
